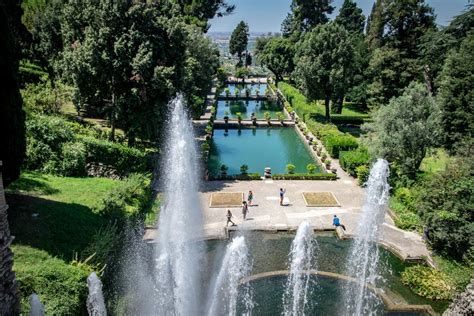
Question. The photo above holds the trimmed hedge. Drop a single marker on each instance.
(249, 176)
(334, 144)
(428, 282)
(305, 176)
(349, 119)
(124, 159)
(298, 101)
(350, 160)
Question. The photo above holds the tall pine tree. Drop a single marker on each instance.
(351, 17)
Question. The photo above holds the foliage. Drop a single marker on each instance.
(239, 40)
(44, 97)
(456, 94)
(305, 15)
(12, 118)
(323, 64)
(445, 203)
(336, 143)
(248, 176)
(428, 282)
(73, 161)
(362, 173)
(350, 17)
(405, 129)
(126, 199)
(280, 116)
(350, 160)
(276, 53)
(305, 176)
(244, 169)
(290, 168)
(122, 158)
(311, 168)
(242, 72)
(40, 273)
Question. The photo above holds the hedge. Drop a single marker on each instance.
(428, 282)
(123, 159)
(350, 160)
(349, 119)
(298, 101)
(249, 176)
(337, 143)
(305, 176)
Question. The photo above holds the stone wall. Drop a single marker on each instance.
(463, 304)
(9, 290)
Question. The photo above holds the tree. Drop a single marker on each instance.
(276, 54)
(323, 63)
(405, 129)
(445, 202)
(351, 17)
(306, 14)
(456, 94)
(239, 40)
(201, 11)
(375, 26)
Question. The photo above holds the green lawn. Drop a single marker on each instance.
(56, 214)
(435, 162)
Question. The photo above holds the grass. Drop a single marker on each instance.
(435, 162)
(226, 199)
(321, 199)
(56, 214)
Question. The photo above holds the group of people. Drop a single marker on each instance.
(245, 209)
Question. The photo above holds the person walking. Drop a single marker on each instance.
(245, 209)
(282, 195)
(250, 198)
(336, 222)
(229, 219)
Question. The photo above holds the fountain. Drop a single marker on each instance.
(225, 293)
(95, 299)
(178, 251)
(36, 307)
(295, 298)
(362, 263)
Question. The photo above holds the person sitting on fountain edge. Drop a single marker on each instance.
(337, 223)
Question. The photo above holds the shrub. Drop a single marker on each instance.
(62, 288)
(267, 116)
(428, 282)
(49, 130)
(123, 159)
(290, 168)
(244, 169)
(337, 143)
(362, 174)
(305, 176)
(311, 168)
(224, 169)
(205, 146)
(127, 199)
(73, 159)
(280, 116)
(248, 176)
(350, 160)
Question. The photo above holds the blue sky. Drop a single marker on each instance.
(267, 15)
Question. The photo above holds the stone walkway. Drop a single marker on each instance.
(267, 214)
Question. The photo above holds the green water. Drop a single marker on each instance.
(247, 107)
(269, 252)
(253, 88)
(258, 148)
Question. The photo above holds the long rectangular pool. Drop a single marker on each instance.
(252, 86)
(258, 148)
(246, 108)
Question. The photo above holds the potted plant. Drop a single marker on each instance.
(311, 168)
(227, 92)
(327, 162)
(257, 92)
(324, 156)
(305, 132)
(205, 147)
(237, 92)
(244, 169)
(247, 92)
(267, 92)
(253, 117)
(226, 117)
(239, 117)
(318, 150)
(281, 117)
(224, 169)
(267, 117)
(290, 168)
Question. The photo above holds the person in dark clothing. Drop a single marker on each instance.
(282, 195)
(336, 222)
(229, 218)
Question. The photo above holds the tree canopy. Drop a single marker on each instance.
(306, 14)
(276, 53)
(239, 40)
(351, 18)
(323, 63)
(404, 130)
